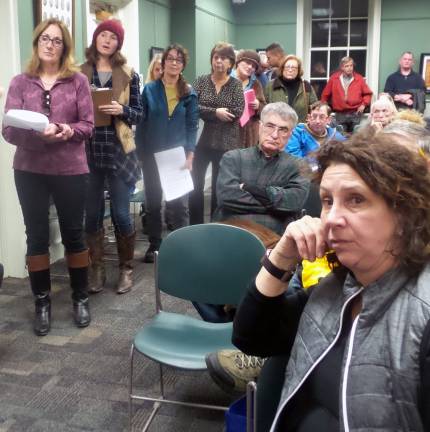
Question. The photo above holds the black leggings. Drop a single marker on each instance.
(68, 193)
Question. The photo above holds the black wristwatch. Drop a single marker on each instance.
(282, 275)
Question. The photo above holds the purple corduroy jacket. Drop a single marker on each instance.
(71, 103)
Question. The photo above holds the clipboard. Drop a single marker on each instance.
(101, 96)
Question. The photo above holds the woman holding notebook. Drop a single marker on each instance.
(111, 157)
(52, 164)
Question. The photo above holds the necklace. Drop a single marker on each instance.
(48, 84)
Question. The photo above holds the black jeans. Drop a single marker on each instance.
(178, 208)
(202, 158)
(68, 193)
(348, 120)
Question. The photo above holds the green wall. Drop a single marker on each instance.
(154, 28)
(259, 24)
(183, 31)
(215, 22)
(405, 26)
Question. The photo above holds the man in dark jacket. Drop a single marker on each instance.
(405, 86)
(348, 95)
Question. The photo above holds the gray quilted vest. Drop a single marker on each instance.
(380, 378)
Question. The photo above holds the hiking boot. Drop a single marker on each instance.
(232, 369)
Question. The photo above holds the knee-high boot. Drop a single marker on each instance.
(78, 272)
(97, 272)
(40, 282)
(125, 247)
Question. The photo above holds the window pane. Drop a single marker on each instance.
(359, 57)
(320, 33)
(318, 86)
(320, 8)
(340, 8)
(358, 34)
(339, 33)
(335, 57)
(318, 64)
(359, 8)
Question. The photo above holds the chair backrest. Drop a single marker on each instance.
(209, 263)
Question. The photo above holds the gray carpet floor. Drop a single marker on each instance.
(77, 379)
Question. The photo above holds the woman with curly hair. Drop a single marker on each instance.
(359, 341)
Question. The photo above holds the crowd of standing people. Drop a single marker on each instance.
(262, 130)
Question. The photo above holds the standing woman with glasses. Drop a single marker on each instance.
(53, 164)
(221, 105)
(170, 119)
(111, 156)
(291, 88)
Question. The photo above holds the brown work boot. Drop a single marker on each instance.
(125, 246)
(97, 274)
(232, 369)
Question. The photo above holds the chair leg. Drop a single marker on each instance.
(251, 407)
(161, 381)
(130, 390)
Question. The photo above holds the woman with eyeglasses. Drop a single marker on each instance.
(112, 158)
(170, 120)
(221, 104)
(291, 88)
(53, 164)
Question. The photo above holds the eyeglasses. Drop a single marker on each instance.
(270, 128)
(46, 102)
(178, 60)
(291, 67)
(45, 39)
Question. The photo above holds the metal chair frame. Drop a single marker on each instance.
(157, 401)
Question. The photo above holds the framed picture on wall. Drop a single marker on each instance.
(63, 10)
(425, 69)
(153, 51)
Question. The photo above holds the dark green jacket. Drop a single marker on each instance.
(275, 91)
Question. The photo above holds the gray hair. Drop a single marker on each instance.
(406, 128)
(283, 110)
(346, 59)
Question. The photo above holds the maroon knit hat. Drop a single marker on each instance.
(112, 25)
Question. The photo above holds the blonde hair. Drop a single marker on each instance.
(67, 61)
(150, 74)
(411, 116)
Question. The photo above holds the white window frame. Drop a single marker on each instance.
(303, 39)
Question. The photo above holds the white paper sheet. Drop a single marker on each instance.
(175, 180)
(24, 119)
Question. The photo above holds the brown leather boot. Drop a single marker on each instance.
(125, 246)
(97, 275)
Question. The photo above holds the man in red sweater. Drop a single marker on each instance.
(348, 95)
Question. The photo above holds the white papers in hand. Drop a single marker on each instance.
(24, 119)
(175, 180)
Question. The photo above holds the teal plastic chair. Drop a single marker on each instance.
(210, 263)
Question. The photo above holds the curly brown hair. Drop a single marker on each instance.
(400, 176)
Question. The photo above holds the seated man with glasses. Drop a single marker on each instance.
(262, 183)
(259, 188)
(308, 137)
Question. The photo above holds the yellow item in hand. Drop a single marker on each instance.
(313, 271)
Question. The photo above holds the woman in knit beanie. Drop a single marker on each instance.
(111, 152)
(247, 63)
